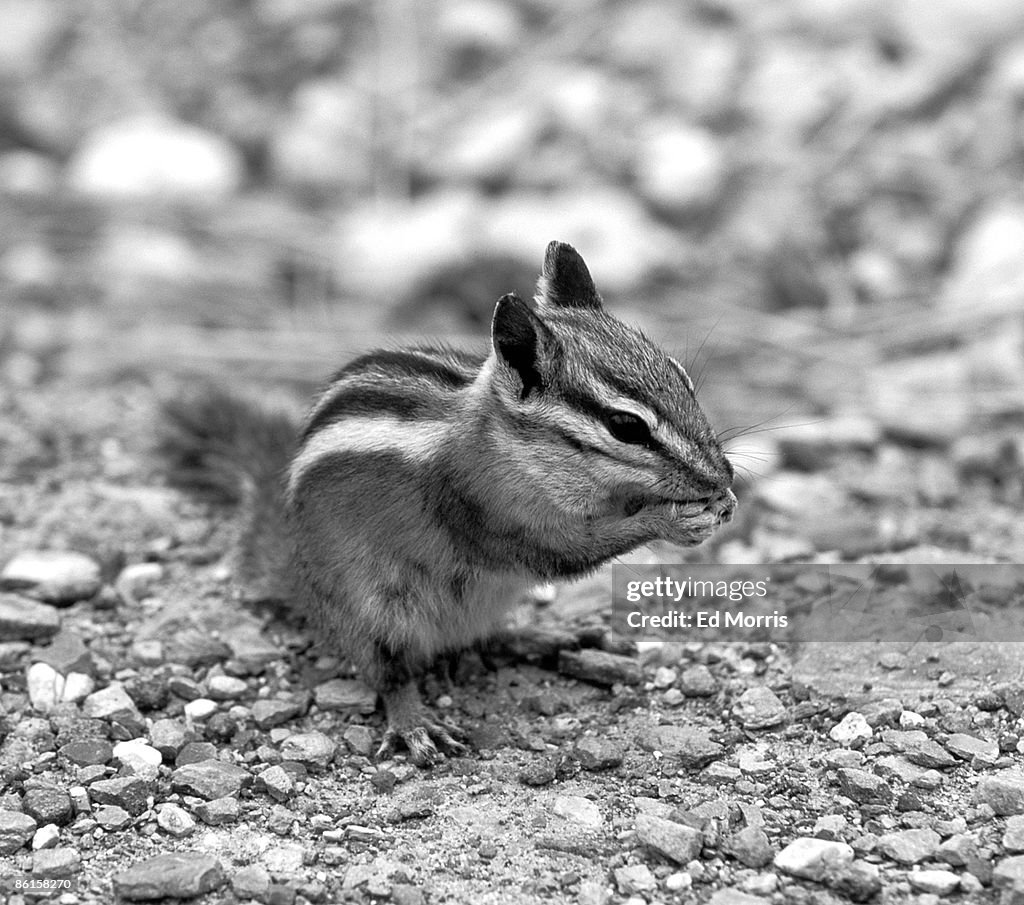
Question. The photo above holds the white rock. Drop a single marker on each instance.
(911, 720)
(577, 809)
(680, 167)
(138, 758)
(46, 837)
(200, 710)
(55, 576)
(225, 688)
(155, 156)
(108, 703)
(937, 882)
(45, 686)
(175, 821)
(851, 728)
(137, 580)
(283, 859)
(989, 259)
(812, 858)
(77, 687)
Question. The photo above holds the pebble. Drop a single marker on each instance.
(45, 687)
(971, 748)
(218, 811)
(538, 772)
(600, 667)
(112, 818)
(128, 792)
(53, 576)
(67, 653)
(852, 728)
(200, 710)
(313, 750)
(175, 821)
(22, 619)
(1003, 792)
(749, 846)
(910, 846)
(168, 737)
(864, 787)
(209, 779)
(1013, 838)
(859, 881)
(360, 740)
(251, 882)
(577, 809)
(829, 826)
(937, 882)
(697, 682)
(48, 805)
(148, 652)
(671, 840)
(77, 687)
(225, 688)
(665, 677)
(1009, 874)
(268, 713)
(135, 582)
(276, 782)
(813, 859)
(46, 837)
(958, 850)
(598, 754)
(734, 897)
(138, 759)
(759, 708)
(56, 863)
(111, 703)
(693, 748)
(635, 879)
(196, 753)
(16, 829)
(680, 167)
(178, 875)
(345, 695)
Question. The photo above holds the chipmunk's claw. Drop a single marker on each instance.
(426, 742)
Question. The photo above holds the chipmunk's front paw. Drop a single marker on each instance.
(688, 528)
(426, 739)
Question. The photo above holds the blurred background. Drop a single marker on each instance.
(816, 203)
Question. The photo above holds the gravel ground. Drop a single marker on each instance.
(163, 740)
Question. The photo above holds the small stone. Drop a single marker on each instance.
(635, 879)
(829, 826)
(665, 677)
(111, 703)
(200, 710)
(218, 811)
(930, 754)
(225, 688)
(864, 787)
(56, 863)
(910, 846)
(346, 696)
(1009, 874)
(196, 753)
(852, 728)
(135, 582)
(45, 686)
(148, 692)
(179, 875)
(148, 652)
(128, 792)
(971, 748)
(937, 882)
(22, 619)
(77, 687)
(813, 859)
(959, 850)
(671, 840)
(693, 748)
(209, 779)
(859, 881)
(112, 818)
(598, 754)
(168, 737)
(750, 846)
(313, 750)
(680, 167)
(251, 882)
(53, 576)
(67, 653)
(697, 682)
(759, 708)
(577, 809)
(16, 829)
(276, 782)
(46, 837)
(268, 713)
(1003, 792)
(48, 805)
(360, 740)
(1013, 838)
(175, 821)
(734, 897)
(537, 772)
(138, 759)
(600, 667)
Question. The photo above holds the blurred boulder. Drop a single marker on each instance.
(325, 142)
(988, 259)
(680, 168)
(28, 28)
(155, 157)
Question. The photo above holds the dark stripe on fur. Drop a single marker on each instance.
(410, 402)
(420, 362)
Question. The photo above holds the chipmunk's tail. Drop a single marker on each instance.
(236, 451)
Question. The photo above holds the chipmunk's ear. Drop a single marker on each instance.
(565, 281)
(522, 342)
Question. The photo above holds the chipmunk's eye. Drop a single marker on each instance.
(628, 428)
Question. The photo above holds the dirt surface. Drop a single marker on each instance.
(688, 781)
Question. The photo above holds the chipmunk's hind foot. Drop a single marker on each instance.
(426, 742)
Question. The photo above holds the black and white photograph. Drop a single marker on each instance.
(512, 451)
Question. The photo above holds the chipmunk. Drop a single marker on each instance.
(429, 488)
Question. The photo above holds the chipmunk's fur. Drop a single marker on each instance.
(430, 488)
